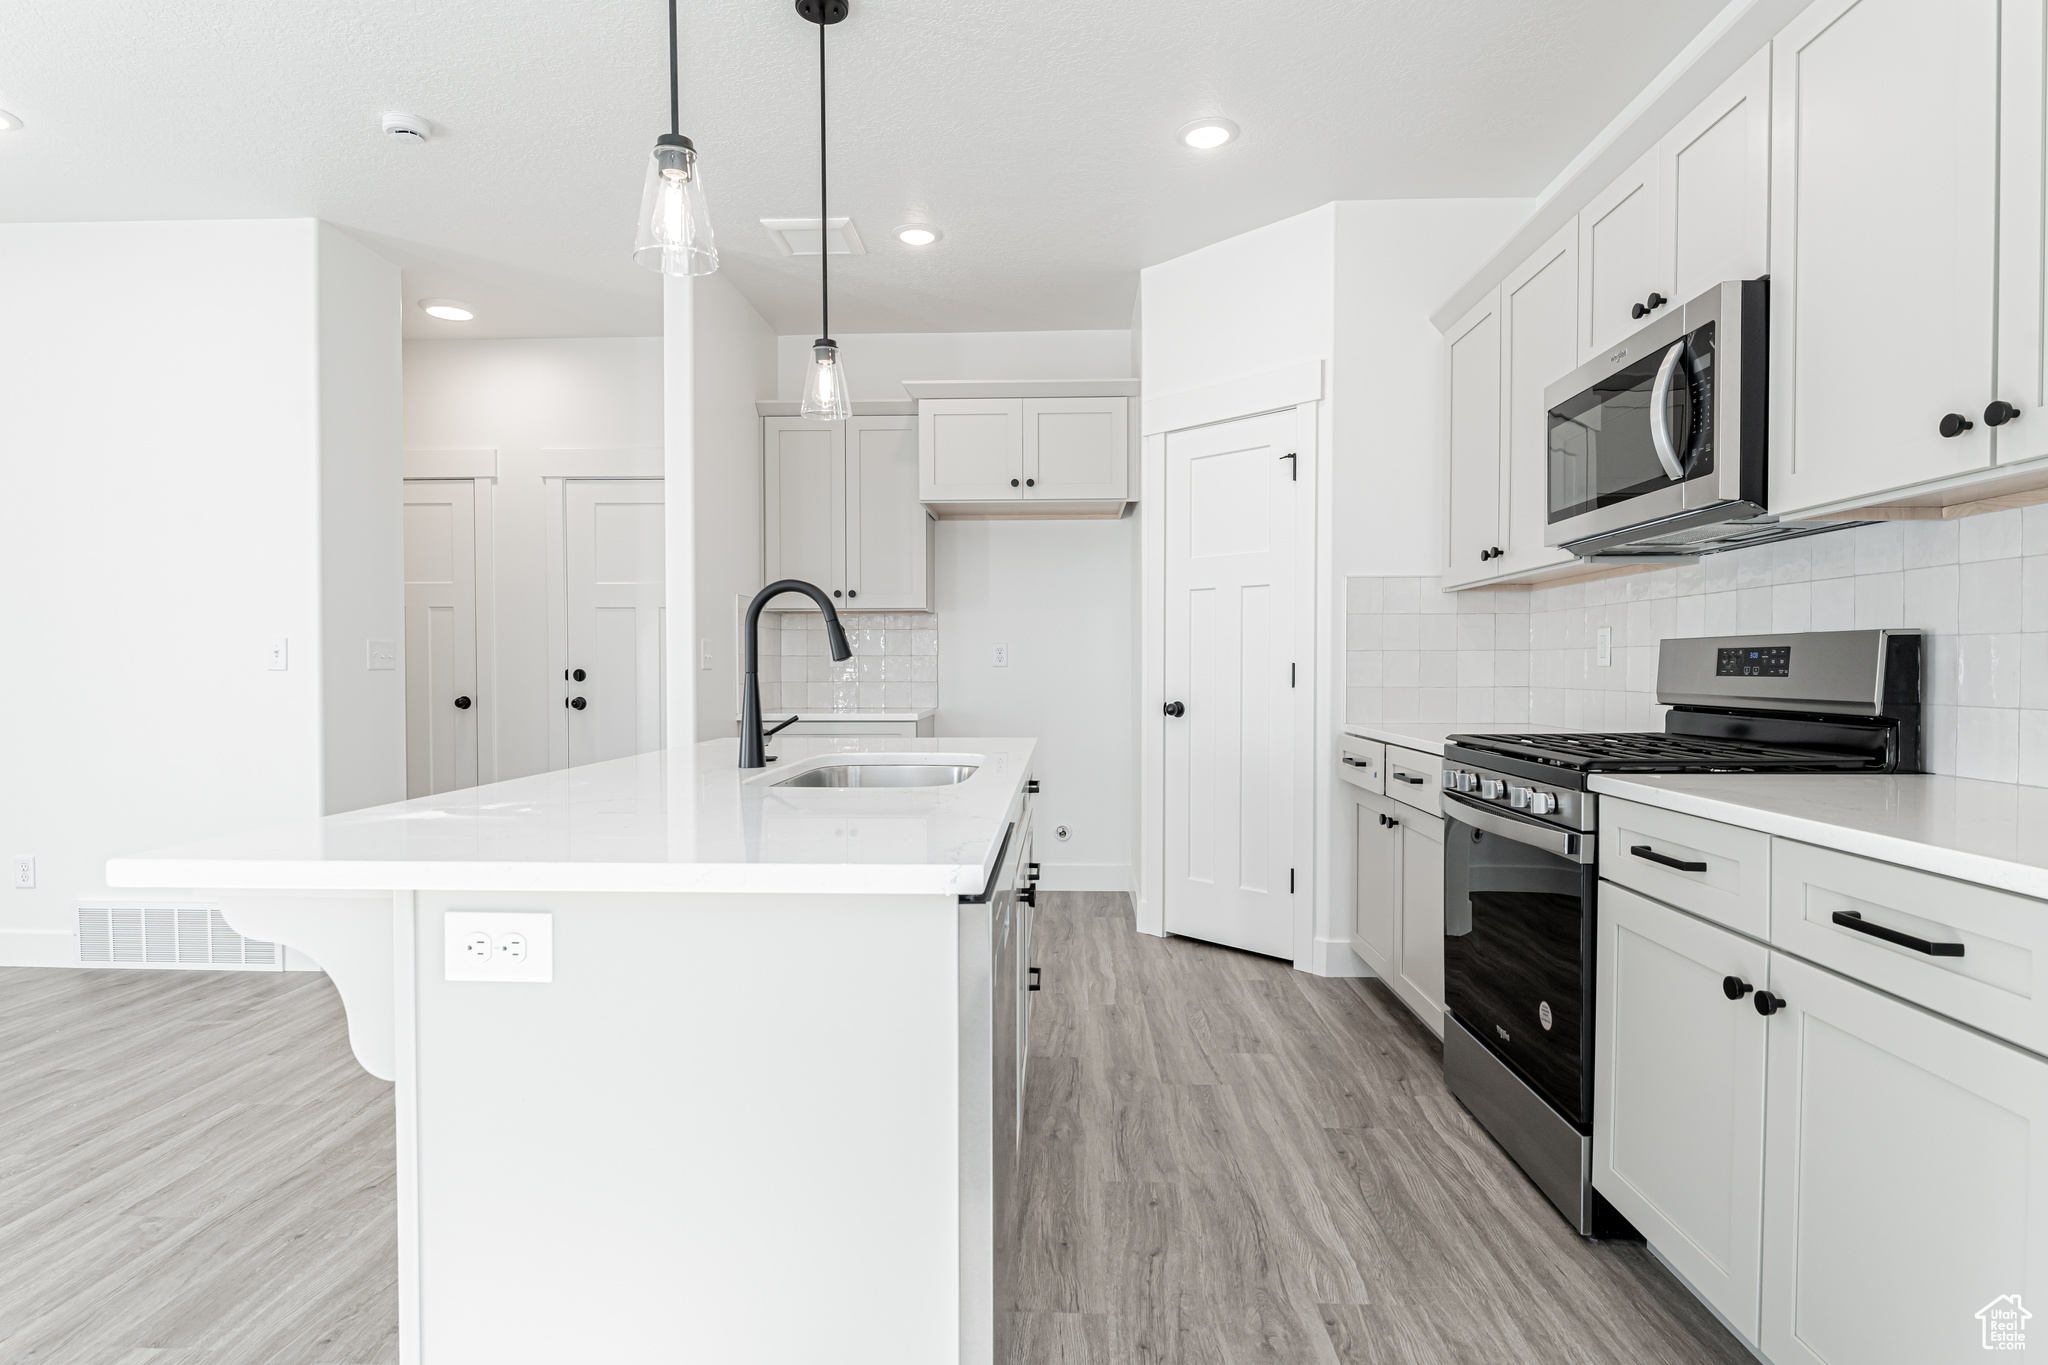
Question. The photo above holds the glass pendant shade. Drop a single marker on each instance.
(675, 222)
(825, 395)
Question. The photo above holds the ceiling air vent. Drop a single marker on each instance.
(799, 236)
(169, 936)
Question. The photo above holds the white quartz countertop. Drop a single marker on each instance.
(1429, 739)
(1992, 833)
(773, 714)
(686, 819)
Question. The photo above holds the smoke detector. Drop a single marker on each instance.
(407, 127)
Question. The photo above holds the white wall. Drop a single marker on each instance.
(161, 444)
(523, 399)
(877, 363)
(733, 364)
(1253, 303)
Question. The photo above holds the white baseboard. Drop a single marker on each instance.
(1333, 957)
(38, 948)
(1083, 876)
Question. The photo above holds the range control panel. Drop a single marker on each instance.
(1553, 806)
(1762, 661)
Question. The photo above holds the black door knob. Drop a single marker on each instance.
(1174, 708)
(1013, 483)
(579, 675)
(578, 703)
(1999, 413)
(1734, 987)
(1955, 424)
(462, 703)
(1768, 1004)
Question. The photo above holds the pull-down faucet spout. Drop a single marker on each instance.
(753, 739)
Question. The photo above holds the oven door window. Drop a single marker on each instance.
(1604, 443)
(1517, 958)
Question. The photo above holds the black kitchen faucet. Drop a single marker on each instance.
(753, 739)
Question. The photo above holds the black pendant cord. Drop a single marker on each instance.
(675, 99)
(824, 241)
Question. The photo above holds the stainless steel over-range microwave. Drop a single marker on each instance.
(1657, 448)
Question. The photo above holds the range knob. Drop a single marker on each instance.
(1492, 788)
(1518, 797)
(1467, 782)
(1449, 778)
(1542, 803)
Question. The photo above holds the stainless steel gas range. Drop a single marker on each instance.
(1521, 869)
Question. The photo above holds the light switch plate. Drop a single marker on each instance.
(380, 656)
(498, 945)
(278, 657)
(1605, 646)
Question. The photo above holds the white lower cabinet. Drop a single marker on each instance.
(1905, 1182)
(1678, 1094)
(1397, 924)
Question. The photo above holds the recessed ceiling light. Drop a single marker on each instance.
(918, 234)
(1207, 134)
(8, 122)
(448, 310)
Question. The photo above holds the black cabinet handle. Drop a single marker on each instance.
(1028, 894)
(579, 675)
(1955, 424)
(1409, 779)
(1174, 708)
(1768, 1004)
(1013, 483)
(1388, 822)
(1031, 871)
(1645, 851)
(462, 703)
(1495, 553)
(1734, 987)
(1034, 980)
(835, 592)
(1853, 919)
(1648, 306)
(1032, 786)
(576, 702)
(1999, 413)
(851, 594)
(1031, 483)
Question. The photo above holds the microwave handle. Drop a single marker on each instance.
(1660, 428)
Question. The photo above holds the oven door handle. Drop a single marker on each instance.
(1578, 848)
(1660, 421)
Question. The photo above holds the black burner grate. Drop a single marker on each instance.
(1650, 751)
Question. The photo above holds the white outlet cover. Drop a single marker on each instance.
(277, 655)
(498, 945)
(1002, 656)
(24, 874)
(1605, 646)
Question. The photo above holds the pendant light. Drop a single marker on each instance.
(674, 236)
(825, 395)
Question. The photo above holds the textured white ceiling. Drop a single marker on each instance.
(1039, 136)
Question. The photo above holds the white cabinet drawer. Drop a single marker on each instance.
(1716, 871)
(1362, 762)
(1412, 778)
(1999, 980)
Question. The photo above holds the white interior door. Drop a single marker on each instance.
(1229, 627)
(613, 550)
(441, 701)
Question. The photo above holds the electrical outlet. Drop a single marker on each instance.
(1002, 656)
(1604, 646)
(24, 874)
(704, 655)
(499, 945)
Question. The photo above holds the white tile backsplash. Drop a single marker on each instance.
(1977, 585)
(895, 663)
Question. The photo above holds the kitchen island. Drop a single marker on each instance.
(691, 1063)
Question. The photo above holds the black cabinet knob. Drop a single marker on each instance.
(1999, 413)
(1955, 424)
(1637, 310)
(462, 703)
(1013, 483)
(1768, 1004)
(835, 592)
(1734, 987)
(1494, 553)
(1174, 708)
(578, 674)
(851, 594)
(578, 703)
(1031, 483)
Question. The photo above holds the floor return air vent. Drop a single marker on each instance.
(169, 936)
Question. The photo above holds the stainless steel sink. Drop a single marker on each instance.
(881, 775)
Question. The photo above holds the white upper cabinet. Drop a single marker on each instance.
(842, 511)
(1473, 422)
(1076, 448)
(888, 535)
(972, 449)
(995, 457)
(1624, 257)
(2022, 234)
(1539, 306)
(1884, 168)
(1716, 173)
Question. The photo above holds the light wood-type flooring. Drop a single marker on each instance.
(1227, 1161)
